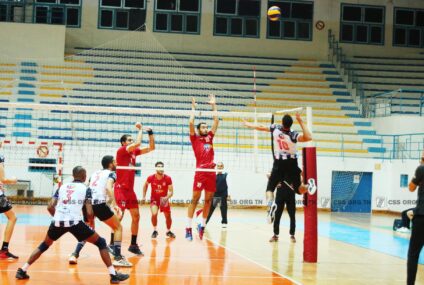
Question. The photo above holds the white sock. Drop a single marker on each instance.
(25, 267)
(189, 221)
(112, 270)
(154, 228)
(203, 222)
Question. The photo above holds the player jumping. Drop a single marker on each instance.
(285, 168)
(202, 144)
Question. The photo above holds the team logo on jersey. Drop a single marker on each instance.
(199, 184)
(207, 139)
(207, 147)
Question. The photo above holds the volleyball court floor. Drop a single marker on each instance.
(353, 249)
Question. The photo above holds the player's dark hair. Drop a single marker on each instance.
(78, 172)
(124, 138)
(106, 161)
(199, 125)
(159, 163)
(287, 121)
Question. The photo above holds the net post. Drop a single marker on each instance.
(310, 241)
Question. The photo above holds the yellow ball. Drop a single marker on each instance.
(274, 13)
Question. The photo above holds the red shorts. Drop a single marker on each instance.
(125, 198)
(205, 181)
(164, 206)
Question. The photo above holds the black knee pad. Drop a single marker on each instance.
(43, 247)
(101, 243)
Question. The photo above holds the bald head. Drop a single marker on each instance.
(79, 173)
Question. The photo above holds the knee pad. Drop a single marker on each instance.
(101, 243)
(43, 247)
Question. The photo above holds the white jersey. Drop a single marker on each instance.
(71, 198)
(284, 141)
(1, 184)
(98, 183)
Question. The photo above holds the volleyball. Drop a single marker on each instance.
(274, 13)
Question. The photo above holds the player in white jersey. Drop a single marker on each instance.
(285, 168)
(101, 186)
(66, 209)
(6, 209)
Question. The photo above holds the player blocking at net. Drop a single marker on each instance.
(202, 144)
(101, 185)
(66, 209)
(285, 168)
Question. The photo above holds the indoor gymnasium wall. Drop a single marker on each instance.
(399, 125)
(328, 11)
(34, 41)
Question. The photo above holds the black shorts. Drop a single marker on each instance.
(284, 170)
(80, 231)
(101, 211)
(5, 204)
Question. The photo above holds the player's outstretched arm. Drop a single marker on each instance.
(191, 120)
(212, 102)
(417, 179)
(151, 146)
(257, 127)
(3, 179)
(306, 134)
(137, 142)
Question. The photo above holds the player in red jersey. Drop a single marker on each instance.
(202, 144)
(162, 191)
(124, 186)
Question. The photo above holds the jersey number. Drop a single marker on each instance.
(68, 196)
(94, 183)
(283, 145)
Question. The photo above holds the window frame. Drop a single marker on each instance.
(244, 19)
(177, 12)
(362, 22)
(115, 11)
(296, 21)
(65, 8)
(407, 28)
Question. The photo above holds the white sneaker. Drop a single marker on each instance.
(121, 261)
(224, 226)
(403, 230)
(271, 213)
(73, 259)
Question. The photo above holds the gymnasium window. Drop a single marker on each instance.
(404, 180)
(295, 22)
(362, 24)
(177, 16)
(239, 18)
(408, 30)
(12, 11)
(58, 12)
(122, 14)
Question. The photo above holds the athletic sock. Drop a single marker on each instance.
(25, 267)
(79, 247)
(189, 221)
(112, 270)
(112, 238)
(117, 248)
(203, 223)
(133, 239)
(5, 246)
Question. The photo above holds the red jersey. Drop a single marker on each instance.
(125, 177)
(203, 150)
(159, 186)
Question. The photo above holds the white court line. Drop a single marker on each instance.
(143, 274)
(256, 263)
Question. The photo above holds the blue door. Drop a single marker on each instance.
(351, 192)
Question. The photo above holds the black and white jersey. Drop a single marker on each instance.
(284, 141)
(98, 184)
(71, 198)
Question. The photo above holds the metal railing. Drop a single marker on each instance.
(339, 59)
(400, 101)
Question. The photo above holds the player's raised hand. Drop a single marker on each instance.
(139, 126)
(193, 103)
(212, 99)
(298, 117)
(148, 129)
